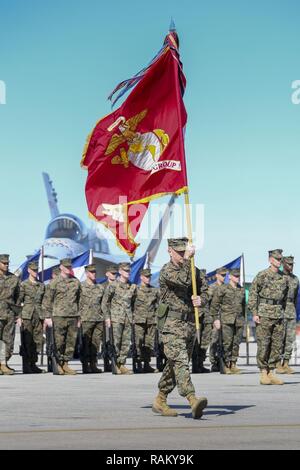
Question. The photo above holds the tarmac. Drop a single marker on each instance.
(114, 412)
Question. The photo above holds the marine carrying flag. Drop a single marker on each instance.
(136, 153)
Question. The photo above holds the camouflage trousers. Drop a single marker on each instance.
(92, 337)
(289, 338)
(213, 347)
(7, 335)
(269, 335)
(178, 350)
(65, 335)
(144, 338)
(122, 339)
(33, 337)
(232, 338)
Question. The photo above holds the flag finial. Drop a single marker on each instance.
(172, 27)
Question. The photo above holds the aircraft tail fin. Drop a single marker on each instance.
(51, 196)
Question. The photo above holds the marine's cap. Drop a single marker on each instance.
(203, 271)
(125, 266)
(146, 272)
(66, 262)
(288, 260)
(91, 268)
(56, 270)
(234, 272)
(178, 244)
(4, 258)
(222, 271)
(112, 269)
(277, 254)
(34, 266)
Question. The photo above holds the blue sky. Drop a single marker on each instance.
(61, 59)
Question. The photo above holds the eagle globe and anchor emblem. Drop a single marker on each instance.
(144, 149)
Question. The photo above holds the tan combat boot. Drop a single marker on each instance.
(287, 368)
(60, 370)
(197, 405)
(280, 368)
(234, 369)
(161, 407)
(274, 380)
(67, 370)
(5, 370)
(264, 378)
(124, 370)
(227, 369)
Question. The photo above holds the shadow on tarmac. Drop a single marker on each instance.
(210, 410)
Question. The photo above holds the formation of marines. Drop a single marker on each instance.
(130, 314)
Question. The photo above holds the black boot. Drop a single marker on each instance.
(27, 368)
(86, 369)
(35, 369)
(148, 369)
(139, 367)
(94, 368)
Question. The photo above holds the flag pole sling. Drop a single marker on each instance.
(246, 314)
(193, 269)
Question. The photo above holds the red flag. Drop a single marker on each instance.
(136, 153)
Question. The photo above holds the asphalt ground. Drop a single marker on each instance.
(114, 412)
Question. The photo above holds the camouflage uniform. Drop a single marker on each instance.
(31, 296)
(179, 330)
(9, 299)
(214, 339)
(145, 307)
(267, 299)
(290, 315)
(206, 324)
(92, 320)
(117, 305)
(61, 303)
(228, 306)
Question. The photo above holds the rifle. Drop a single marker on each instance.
(79, 344)
(195, 357)
(133, 349)
(159, 352)
(51, 351)
(221, 352)
(104, 350)
(109, 352)
(24, 353)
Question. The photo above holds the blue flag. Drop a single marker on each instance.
(22, 271)
(78, 266)
(136, 269)
(235, 264)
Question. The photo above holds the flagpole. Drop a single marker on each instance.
(42, 279)
(193, 269)
(246, 313)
